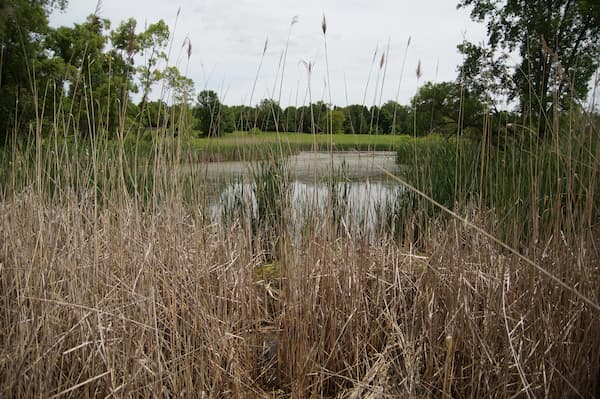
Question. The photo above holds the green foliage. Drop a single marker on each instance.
(441, 167)
(395, 119)
(357, 119)
(272, 193)
(289, 121)
(558, 42)
(446, 108)
(213, 118)
(268, 115)
(337, 121)
(181, 87)
(152, 43)
(23, 26)
(534, 188)
(96, 81)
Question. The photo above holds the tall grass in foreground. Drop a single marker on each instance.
(107, 291)
(115, 282)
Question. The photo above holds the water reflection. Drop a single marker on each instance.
(357, 190)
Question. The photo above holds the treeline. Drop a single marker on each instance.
(83, 79)
(437, 107)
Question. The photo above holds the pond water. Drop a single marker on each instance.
(358, 166)
(360, 184)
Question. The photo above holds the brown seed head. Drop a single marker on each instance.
(419, 70)
(324, 25)
(188, 43)
(131, 41)
(545, 49)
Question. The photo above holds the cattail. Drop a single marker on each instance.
(96, 15)
(545, 49)
(324, 25)
(266, 45)
(131, 41)
(307, 65)
(419, 70)
(187, 42)
(382, 61)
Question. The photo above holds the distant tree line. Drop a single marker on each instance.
(84, 78)
(445, 108)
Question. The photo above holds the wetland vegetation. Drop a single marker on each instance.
(147, 250)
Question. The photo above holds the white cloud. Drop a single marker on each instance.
(228, 39)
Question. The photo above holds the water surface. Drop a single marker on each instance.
(360, 183)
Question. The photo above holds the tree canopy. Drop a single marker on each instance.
(93, 70)
(213, 118)
(446, 108)
(23, 24)
(558, 42)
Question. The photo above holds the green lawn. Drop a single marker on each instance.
(244, 145)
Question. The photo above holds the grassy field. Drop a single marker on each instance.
(245, 145)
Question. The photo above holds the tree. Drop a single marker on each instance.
(152, 42)
(394, 119)
(181, 87)
(337, 121)
(446, 108)
(357, 119)
(559, 45)
(98, 80)
(23, 26)
(93, 78)
(290, 119)
(321, 114)
(214, 119)
(243, 117)
(268, 113)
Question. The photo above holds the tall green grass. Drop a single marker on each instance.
(535, 189)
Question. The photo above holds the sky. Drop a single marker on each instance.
(228, 38)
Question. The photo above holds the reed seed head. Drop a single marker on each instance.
(188, 44)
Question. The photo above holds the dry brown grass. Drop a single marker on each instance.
(123, 302)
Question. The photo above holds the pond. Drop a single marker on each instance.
(359, 185)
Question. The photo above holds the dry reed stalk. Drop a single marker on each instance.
(125, 303)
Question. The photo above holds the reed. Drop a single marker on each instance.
(479, 280)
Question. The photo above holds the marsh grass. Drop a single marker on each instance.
(548, 187)
(116, 282)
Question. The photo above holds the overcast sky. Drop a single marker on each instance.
(228, 38)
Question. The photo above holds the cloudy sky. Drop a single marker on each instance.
(228, 38)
